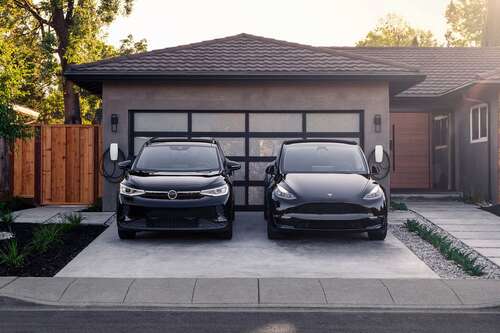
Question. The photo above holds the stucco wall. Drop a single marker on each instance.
(120, 97)
(477, 163)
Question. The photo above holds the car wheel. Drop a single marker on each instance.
(272, 231)
(226, 234)
(379, 234)
(126, 234)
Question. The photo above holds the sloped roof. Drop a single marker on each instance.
(491, 76)
(246, 54)
(446, 69)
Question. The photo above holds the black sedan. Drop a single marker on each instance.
(323, 185)
(177, 185)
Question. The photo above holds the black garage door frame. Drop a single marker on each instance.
(246, 183)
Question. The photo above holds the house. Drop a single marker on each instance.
(434, 110)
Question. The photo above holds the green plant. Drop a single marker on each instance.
(46, 237)
(70, 222)
(445, 246)
(398, 205)
(12, 256)
(7, 220)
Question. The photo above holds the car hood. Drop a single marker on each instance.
(174, 182)
(321, 186)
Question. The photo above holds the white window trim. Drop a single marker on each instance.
(478, 107)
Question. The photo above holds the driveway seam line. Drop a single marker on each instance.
(323, 289)
(258, 290)
(65, 289)
(128, 289)
(10, 282)
(388, 291)
(194, 289)
(453, 291)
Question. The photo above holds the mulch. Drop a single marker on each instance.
(52, 261)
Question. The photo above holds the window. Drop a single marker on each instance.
(178, 157)
(440, 135)
(323, 157)
(479, 123)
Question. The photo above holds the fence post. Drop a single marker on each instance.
(38, 166)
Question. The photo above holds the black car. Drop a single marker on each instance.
(181, 185)
(323, 185)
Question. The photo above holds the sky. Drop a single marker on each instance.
(167, 23)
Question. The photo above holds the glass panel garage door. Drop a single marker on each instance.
(251, 138)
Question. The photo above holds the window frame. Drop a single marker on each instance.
(478, 109)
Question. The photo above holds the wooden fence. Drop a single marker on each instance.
(60, 165)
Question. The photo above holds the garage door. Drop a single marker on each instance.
(251, 138)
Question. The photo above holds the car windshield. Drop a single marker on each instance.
(327, 157)
(178, 158)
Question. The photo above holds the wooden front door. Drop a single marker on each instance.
(410, 156)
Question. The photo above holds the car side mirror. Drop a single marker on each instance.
(125, 164)
(232, 165)
(379, 153)
(271, 169)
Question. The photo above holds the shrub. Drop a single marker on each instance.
(46, 237)
(71, 221)
(12, 256)
(7, 220)
(448, 250)
(398, 205)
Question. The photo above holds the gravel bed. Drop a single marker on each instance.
(446, 269)
(433, 258)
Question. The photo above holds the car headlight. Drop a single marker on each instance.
(375, 193)
(127, 190)
(283, 193)
(216, 192)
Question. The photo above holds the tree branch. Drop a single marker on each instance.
(69, 13)
(25, 4)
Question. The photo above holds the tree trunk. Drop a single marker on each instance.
(5, 168)
(71, 103)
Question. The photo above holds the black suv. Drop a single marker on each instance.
(174, 184)
(323, 185)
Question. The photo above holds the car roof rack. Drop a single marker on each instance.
(312, 140)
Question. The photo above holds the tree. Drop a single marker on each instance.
(71, 29)
(393, 30)
(12, 127)
(466, 21)
(129, 46)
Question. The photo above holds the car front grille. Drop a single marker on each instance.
(330, 208)
(180, 195)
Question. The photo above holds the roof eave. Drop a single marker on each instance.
(92, 81)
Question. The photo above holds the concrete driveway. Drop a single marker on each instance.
(248, 254)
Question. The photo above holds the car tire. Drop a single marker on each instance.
(378, 235)
(226, 234)
(273, 232)
(126, 234)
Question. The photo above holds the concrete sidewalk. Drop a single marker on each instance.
(259, 293)
(55, 214)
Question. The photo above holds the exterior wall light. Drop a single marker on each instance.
(377, 121)
(114, 123)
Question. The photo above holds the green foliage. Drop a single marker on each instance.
(398, 205)
(7, 220)
(46, 237)
(446, 248)
(12, 125)
(129, 46)
(466, 21)
(393, 30)
(12, 256)
(70, 222)
(13, 204)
